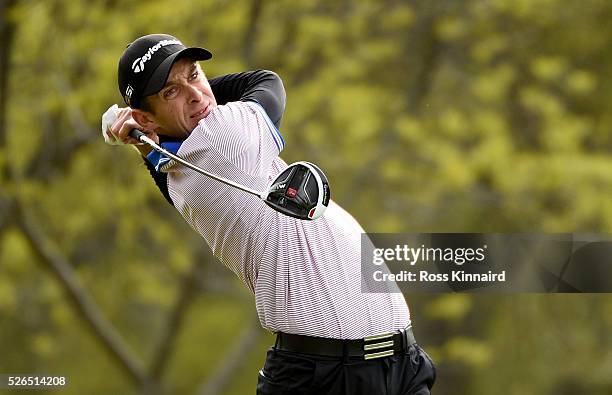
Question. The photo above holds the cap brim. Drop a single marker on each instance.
(160, 75)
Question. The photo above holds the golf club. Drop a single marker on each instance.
(300, 191)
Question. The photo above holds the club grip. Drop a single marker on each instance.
(137, 134)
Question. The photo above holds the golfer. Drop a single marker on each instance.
(331, 338)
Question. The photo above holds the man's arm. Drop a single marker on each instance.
(261, 86)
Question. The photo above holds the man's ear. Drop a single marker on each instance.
(144, 119)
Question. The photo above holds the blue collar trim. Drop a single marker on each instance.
(157, 159)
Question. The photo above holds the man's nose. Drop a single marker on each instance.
(194, 94)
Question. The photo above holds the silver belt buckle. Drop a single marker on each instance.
(386, 346)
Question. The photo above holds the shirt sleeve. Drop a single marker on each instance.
(261, 86)
(242, 133)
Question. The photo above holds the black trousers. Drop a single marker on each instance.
(289, 373)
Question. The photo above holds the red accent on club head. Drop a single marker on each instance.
(311, 212)
(291, 192)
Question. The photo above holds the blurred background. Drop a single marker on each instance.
(427, 116)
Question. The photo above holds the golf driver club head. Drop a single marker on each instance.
(300, 191)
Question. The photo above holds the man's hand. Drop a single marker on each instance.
(117, 124)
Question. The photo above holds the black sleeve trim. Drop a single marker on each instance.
(161, 180)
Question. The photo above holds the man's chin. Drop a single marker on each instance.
(193, 126)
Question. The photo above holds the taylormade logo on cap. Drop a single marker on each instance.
(139, 63)
(146, 63)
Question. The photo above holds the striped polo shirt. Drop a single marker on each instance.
(305, 275)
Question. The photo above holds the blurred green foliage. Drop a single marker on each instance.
(471, 116)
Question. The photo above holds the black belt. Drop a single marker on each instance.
(370, 347)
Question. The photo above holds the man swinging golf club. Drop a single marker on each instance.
(305, 275)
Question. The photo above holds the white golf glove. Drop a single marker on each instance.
(108, 119)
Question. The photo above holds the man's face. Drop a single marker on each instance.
(185, 99)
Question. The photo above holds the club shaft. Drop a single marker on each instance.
(144, 139)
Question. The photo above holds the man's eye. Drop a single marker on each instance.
(170, 93)
(194, 76)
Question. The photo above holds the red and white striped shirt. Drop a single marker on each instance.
(305, 275)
